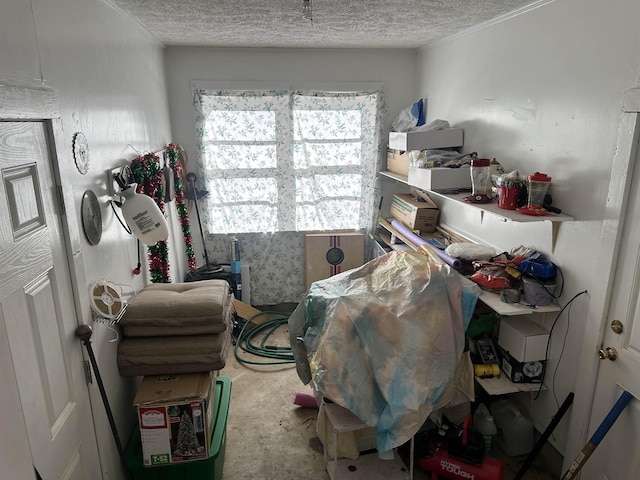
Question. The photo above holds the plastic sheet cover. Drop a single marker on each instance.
(386, 340)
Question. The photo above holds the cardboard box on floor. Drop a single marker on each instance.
(327, 254)
(416, 211)
(174, 414)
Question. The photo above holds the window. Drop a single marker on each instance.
(285, 161)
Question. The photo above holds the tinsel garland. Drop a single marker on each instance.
(147, 173)
(174, 152)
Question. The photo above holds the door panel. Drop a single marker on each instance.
(617, 455)
(36, 307)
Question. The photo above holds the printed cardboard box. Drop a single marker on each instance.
(327, 254)
(417, 214)
(174, 414)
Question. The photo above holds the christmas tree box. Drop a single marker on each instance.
(174, 415)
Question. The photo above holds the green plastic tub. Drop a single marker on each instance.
(209, 469)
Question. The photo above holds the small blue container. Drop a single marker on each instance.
(538, 267)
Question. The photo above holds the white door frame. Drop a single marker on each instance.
(27, 103)
(610, 237)
(41, 104)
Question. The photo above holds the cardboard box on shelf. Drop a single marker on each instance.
(398, 162)
(428, 139)
(416, 211)
(174, 416)
(525, 340)
(327, 254)
(440, 178)
(521, 372)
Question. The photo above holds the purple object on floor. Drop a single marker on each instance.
(305, 400)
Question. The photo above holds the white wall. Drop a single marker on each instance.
(109, 77)
(542, 91)
(395, 68)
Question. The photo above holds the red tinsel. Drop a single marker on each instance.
(175, 155)
(147, 173)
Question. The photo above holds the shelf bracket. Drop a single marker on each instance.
(555, 228)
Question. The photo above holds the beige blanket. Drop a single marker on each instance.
(181, 354)
(171, 309)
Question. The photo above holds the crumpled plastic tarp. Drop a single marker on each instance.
(385, 340)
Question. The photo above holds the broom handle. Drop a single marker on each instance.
(599, 434)
(191, 178)
(544, 437)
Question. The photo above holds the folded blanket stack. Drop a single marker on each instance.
(177, 328)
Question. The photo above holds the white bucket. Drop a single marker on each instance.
(515, 432)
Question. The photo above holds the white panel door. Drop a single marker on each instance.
(36, 309)
(617, 458)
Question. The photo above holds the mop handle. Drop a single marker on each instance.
(599, 434)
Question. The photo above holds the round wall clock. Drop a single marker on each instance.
(81, 152)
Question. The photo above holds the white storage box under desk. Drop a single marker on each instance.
(366, 467)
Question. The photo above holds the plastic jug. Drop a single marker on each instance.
(538, 184)
(483, 423)
(480, 181)
(515, 432)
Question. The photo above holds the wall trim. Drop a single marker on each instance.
(20, 103)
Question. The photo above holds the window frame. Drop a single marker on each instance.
(328, 87)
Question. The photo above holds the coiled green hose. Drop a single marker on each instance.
(248, 341)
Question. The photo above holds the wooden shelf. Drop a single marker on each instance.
(504, 215)
(491, 208)
(386, 238)
(492, 300)
(503, 386)
(395, 176)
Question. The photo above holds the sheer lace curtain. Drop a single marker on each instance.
(278, 164)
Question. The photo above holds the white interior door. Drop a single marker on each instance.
(36, 308)
(616, 458)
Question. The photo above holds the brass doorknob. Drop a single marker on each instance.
(609, 352)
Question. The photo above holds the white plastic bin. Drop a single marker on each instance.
(515, 432)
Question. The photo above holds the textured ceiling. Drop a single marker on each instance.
(335, 24)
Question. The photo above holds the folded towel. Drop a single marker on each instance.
(169, 309)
